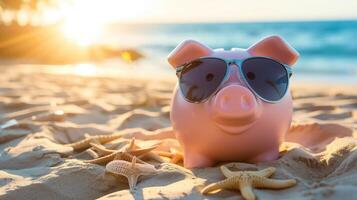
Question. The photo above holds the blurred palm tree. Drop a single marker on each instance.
(23, 11)
(43, 42)
(32, 4)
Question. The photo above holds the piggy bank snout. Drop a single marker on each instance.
(235, 104)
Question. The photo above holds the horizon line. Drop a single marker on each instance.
(237, 21)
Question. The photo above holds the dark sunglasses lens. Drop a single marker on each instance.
(201, 78)
(266, 77)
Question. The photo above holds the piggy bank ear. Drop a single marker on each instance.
(186, 51)
(275, 47)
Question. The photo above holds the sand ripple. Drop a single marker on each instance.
(320, 148)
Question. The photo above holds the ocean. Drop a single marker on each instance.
(328, 49)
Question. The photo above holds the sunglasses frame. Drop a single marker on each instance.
(239, 63)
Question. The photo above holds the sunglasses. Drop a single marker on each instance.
(201, 78)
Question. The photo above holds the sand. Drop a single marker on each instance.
(319, 152)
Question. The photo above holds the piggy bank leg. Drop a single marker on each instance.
(195, 160)
(266, 156)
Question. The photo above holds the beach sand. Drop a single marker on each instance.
(319, 152)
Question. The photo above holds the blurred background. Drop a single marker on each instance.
(117, 37)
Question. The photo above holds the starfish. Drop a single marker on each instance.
(149, 154)
(246, 180)
(126, 153)
(131, 170)
(85, 143)
(174, 155)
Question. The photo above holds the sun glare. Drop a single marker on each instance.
(84, 33)
(82, 22)
(85, 69)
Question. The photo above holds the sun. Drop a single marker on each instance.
(83, 22)
(82, 32)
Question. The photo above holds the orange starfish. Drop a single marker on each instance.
(174, 155)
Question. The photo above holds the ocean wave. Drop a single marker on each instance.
(325, 46)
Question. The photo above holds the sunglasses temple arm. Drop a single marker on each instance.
(289, 70)
(179, 70)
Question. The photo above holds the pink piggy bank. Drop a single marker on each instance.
(232, 105)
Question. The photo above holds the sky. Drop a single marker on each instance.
(227, 10)
(186, 11)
